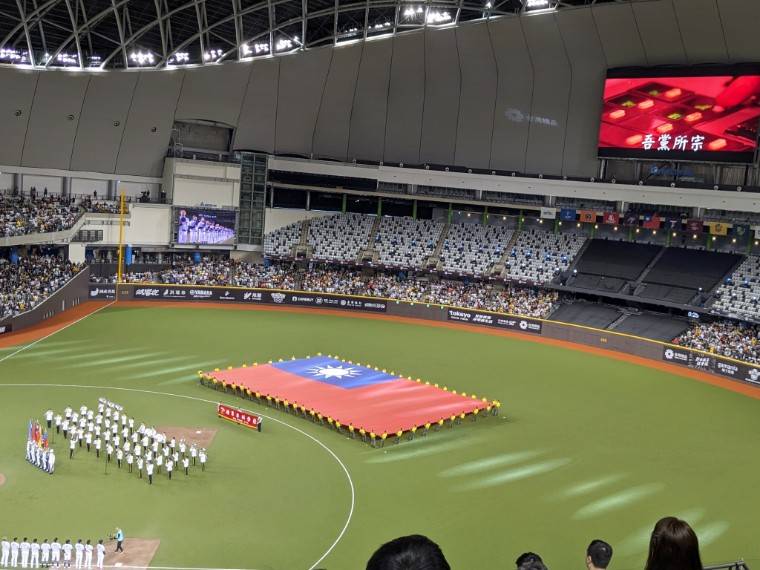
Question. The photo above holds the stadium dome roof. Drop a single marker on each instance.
(118, 34)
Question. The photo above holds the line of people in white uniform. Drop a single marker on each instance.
(110, 430)
(41, 458)
(45, 554)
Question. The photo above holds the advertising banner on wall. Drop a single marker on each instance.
(258, 296)
(495, 320)
(5, 328)
(105, 292)
(714, 364)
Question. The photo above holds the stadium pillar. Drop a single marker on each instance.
(379, 207)
(343, 206)
(485, 215)
(556, 225)
(451, 213)
(414, 209)
(520, 221)
(308, 200)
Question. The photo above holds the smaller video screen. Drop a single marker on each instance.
(204, 226)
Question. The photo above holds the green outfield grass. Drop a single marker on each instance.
(587, 447)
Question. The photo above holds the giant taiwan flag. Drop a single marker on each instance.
(354, 395)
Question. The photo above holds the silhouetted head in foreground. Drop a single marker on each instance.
(413, 552)
(530, 561)
(598, 555)
(673, 546)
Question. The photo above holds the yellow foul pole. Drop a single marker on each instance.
(122, 214)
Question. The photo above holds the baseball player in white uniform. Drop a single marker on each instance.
(45, 549)
(25, 547)
(149, 469)
(6, 552)
(15, 547)
(67, 548)
(101, 553)
(78, 553)
(88, 554)
(35, 552)
(55, 552)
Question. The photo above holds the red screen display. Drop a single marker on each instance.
(681, 118)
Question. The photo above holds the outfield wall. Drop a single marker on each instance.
(722, 367)
(76, 291)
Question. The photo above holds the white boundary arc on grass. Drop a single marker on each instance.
(193, 398)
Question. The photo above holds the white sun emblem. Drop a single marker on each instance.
(329, 371)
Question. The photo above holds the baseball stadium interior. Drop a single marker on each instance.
(383, 284)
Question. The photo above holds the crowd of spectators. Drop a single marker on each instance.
(21, 215)
(471, 294)
(524, 301)
(28, 283)
(725, 338)
(673, 545)
(217, 272)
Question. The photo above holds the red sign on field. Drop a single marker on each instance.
(238, 416)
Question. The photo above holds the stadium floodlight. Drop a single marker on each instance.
(212, 54)
(438, 17)
(413, 12)
(283, 44)
(539, 6)
(245, 50)
(179, 58)
(10, 55)
(142, 58)
(261, 47)
(489, 5)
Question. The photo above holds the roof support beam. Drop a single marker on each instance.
(26, 31)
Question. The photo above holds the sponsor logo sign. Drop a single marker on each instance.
(174, 294)
(676, 355)
(495, 320)
(102, 291)
(147, 292)
(200, 293)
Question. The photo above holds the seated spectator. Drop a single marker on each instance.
(20, 216)
(30, 282)
(725, 338)
(530, 561)
(415, 552)
(598, 555)
(673, 546)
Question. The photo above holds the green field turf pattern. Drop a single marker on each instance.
(587, 447)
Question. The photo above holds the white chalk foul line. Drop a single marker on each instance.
(311, 437)
(63, 328)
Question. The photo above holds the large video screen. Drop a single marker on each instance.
(705, 117)
(204, 226)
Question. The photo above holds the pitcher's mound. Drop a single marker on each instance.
(202, 437)
(138, 552)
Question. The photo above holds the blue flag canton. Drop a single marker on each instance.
(334, 372)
